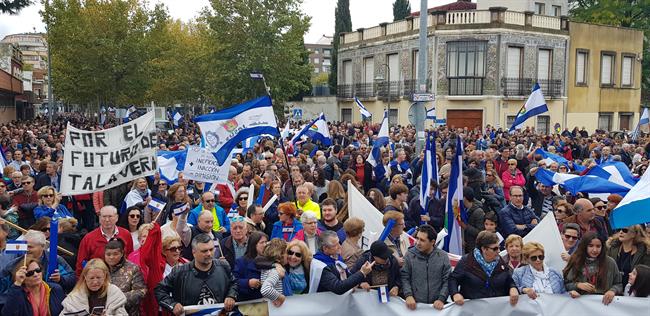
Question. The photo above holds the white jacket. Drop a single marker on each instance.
(77, 302)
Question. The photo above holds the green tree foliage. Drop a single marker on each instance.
(401, 9)
(258, 35)
(13, 6)
(626, 13)
(343, 23)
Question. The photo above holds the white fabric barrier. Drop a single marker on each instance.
(367, 303)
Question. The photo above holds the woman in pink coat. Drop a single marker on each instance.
(512, 177)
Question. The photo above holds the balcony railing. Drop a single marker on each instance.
(411, 87)
(364, 90)
(344, 91)
(465, 86)
(395, 90)
(551, 88)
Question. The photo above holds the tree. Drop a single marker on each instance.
(626, 13)
(13, 6)
(261, 35)
(343, 23)
(401, 9)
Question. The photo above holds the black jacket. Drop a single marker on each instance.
(185, 285)
(435, 210)
(394, 277)
(536, 197)
(330, 281)
(475, 224)
(474, 282)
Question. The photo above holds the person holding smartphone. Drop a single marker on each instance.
(94, 293)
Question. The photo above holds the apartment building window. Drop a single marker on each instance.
(510, 119)
(625, 120)
(393, 63)
(544, 64)
(368, 70)
(415, 63)
(543, 124)
(316, 60)
(466, 67)
(582, 59)
(392, 117)
(557, 10)
(327, 51)
(347, 72)
(627, 71)
(327, 62)
(316, 70)
(316, 50)
(514, 63)
(605, 121)
(607, 69)
(346, 115)
(540, 8)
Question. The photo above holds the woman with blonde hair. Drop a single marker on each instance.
(513, 243)
(298, 264)
(270, 263)
(94, 294)
(48, 204)
(171, 251)
(335, 191)
(537, 277)
(629, 247)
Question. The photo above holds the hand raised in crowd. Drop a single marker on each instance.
(21, 275)
(366, 268)
(56, 276)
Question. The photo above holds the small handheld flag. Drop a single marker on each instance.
(181, 209)
(431, 114)
(156, 205)
(535, 105)
(16, 247)
(382, 291)
(364, 112)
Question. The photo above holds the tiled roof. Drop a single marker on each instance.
(459, 5)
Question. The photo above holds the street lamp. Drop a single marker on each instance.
(379, 78)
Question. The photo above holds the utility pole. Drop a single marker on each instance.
(423, 52)
(50, 93)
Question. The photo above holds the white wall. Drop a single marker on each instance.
(523, 5)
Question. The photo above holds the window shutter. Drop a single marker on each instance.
(626, 79)
(543, 64)
(514, 62)
(580, 67)
(606, 70)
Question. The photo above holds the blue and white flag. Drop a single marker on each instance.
(16, 247)
(616, 172)
(286, 131)
(170, 164)
(644, 123)
(382, 140)
(178, 210)
(222, 131)
(364, 112)
(535, 105)
(129, 112)
(575, 183)
(317, 130)
(455, 208)
(551, 157)
(177, 119)
(635, 206)
(3, 159)
(383, 294)
(156, 205)
(431, 114)
(249, 144)
(429, 172)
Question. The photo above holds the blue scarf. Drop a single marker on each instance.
(488, 267)
(296, 282)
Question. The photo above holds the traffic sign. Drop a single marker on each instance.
(423, 97)
(297, 114)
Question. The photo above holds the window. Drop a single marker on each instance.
(347, 72)
(607, 69)
(326, 68)
(393, 63)
(466, 67)
(515, 56)
(327, 51)
(557, 10)
(605, 121)
(346, 115)
(625, 120)
(543, 124)
(582, 57)
(316, 70)
(540, 8)
(316, 50)
(327, 62)
(392, 117)
(510, 119)
(368, 70)
(415, 63)
(316, 61)
(544, 64)
(627, 71)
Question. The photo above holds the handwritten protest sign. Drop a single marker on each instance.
(200, 165)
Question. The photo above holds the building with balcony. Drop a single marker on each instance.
(34, 49)
(556, 8)
(12, 101)
(604, 77)
(320, 54)
(481, 66)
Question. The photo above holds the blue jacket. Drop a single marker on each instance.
(20, 306)
(68, 276)
(278, 230)
(193, 216)
(43, 211)
(510, 216)
(523, 277)
(244, 271)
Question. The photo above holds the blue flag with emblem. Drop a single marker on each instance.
(222, 131)
(317, 130)
(177, 118)
(170, 164)
(535, 105)
(364, 112)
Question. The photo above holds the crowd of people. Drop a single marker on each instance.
(209, 244)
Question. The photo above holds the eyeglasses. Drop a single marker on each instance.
(495, 248)
(560, 211)
(134, 215)
(268, 158)
(570, 237)
(512, 164)
(237, 219)
(162, 184)
(209, 201)
(602, 207)
(47, 195)
(624, 230)
(27, 182)
(175, 249)
(243, 198)
(296, 254)
(535, 258)
(45, 229)
(32, 272)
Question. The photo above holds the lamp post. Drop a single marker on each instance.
(50, 93)
(381, 78)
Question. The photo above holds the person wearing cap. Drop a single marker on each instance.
(426, 271)
(386, 270)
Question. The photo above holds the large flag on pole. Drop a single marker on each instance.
(177, 118)
(316, 130)
(382, 140)
(575, 183)
(364, 112)
(455, 208)
(535, 105)
(644, 123)
(429, 172)
(635, 206)
(224, 130)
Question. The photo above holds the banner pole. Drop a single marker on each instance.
(22, 230)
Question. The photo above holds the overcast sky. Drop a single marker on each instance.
(365, 13)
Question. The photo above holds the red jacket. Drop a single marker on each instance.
(224, 196)
(510, 181)
(92, 246)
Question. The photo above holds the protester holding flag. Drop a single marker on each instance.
(591, 271)
(426, 271)
(29, 294)
(335, 276)
(385, 272)
(125, 275)
(395, 241)
(482, 273)
(131, 220)
(139, 193)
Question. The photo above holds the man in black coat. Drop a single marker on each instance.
(335, 276)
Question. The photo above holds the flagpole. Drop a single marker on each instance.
(22, 230)
(280, 140)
